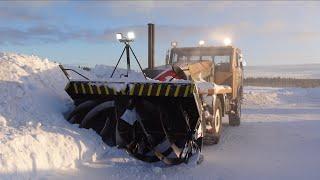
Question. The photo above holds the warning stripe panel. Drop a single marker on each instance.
(158, 90)
(75, 88)
(132, 89)
(168, 88)
(149, 90)
(105, 90)
(136, 89)
(176, 91)
(98, 89)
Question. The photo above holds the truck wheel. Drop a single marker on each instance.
(234, 118)
(213, 133)
(241, 92)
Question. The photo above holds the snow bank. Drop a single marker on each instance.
(119, 81)
(261, 96)
(103, 73)
(303, 71)
(34, 136)
(268, 96)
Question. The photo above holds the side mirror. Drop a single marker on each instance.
(242, 61)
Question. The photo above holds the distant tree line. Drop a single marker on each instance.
(281, 82)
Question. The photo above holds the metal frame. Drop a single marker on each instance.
(64, 70)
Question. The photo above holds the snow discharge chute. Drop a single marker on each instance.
(153, 121)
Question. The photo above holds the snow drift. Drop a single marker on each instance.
(34, 136)
(36, 141)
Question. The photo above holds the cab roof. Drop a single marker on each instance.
(204, 51)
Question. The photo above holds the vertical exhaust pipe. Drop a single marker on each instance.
(150, 46)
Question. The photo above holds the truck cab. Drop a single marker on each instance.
(226, 64)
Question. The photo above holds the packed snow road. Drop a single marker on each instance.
(278, 139)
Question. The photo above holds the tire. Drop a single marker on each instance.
(235, 118)
(213, 134)
(241, 92)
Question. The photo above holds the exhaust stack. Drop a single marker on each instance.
(150, 46)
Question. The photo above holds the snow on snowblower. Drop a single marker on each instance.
(172, 111)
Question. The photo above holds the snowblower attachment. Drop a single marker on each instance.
(152, 120)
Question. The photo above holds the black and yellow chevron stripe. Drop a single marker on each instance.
(132, 89)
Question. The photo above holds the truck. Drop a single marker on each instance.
(169, 114)
(220, 65)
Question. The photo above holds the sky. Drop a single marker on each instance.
(83, 32)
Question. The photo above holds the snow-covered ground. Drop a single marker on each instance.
(278, 139)
(305, 71)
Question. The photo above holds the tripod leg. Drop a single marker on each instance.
(137, 62)
(117, 63)
(128, 58)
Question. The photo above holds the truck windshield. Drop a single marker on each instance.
(218, 60)
(222, 63)
(177, 58)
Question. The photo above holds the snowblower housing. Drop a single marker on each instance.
(165, 115)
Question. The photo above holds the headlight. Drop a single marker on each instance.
(174, 44)
(201, 42)
(227, 41)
